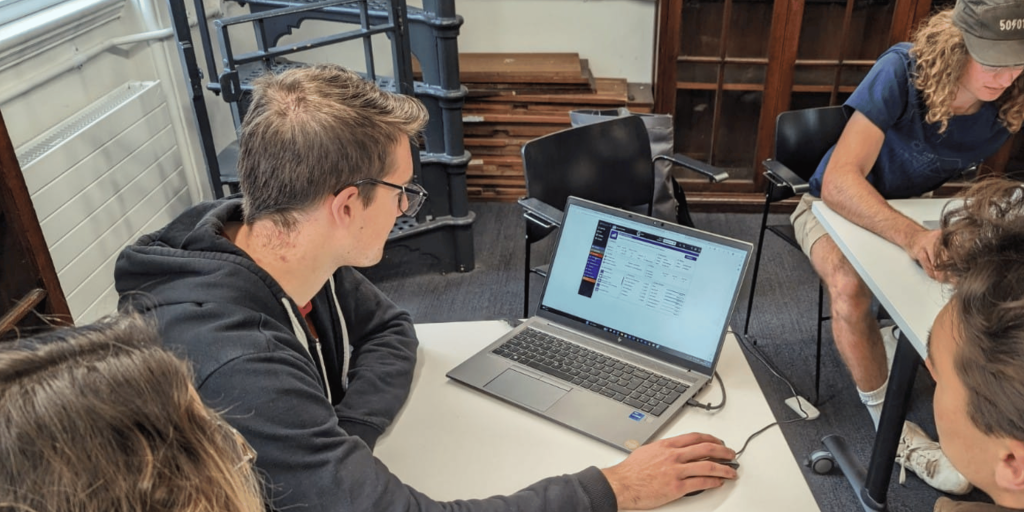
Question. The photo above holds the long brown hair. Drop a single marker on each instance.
(938, 47)
(982, 250)
(100, 418)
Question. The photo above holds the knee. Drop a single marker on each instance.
(849, 295)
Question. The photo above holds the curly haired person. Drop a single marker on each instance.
(926, 112)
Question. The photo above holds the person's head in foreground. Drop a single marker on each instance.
(319, 146)
(976, 346)
(100, 418)
(973, 52)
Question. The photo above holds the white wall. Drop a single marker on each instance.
(125, 173)
(617, 36)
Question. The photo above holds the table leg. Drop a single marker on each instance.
(890, 427)
(872, 488)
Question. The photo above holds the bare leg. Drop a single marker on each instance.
(853, 326)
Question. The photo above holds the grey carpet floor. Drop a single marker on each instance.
(783, 322)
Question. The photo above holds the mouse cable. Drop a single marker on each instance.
(709, 407)
(753, 349)
(759, 432)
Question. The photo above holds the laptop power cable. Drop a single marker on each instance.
(709, 407)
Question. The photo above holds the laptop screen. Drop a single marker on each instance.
(668, 289)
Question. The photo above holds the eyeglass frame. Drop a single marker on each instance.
(407, 191)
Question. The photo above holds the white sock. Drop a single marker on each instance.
(874, 400)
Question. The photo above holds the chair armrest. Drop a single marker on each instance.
(541, 213)
(714, 174)
(782, 176)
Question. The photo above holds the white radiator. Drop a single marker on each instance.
(98, 181)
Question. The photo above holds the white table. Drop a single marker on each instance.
(452, 442)
(901, 286)
(913, 300)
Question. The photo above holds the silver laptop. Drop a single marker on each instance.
(630, 325)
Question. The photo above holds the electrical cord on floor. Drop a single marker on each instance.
(753, 349)
(709, 407)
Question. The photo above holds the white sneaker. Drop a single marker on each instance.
(890, 336)
(918, 453)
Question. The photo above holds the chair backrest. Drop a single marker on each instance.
(607, 162)
(802, 137)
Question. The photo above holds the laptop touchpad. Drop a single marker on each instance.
(526, 390)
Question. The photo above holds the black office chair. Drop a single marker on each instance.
(802, 137)
(607, 162)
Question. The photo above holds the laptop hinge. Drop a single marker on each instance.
(566, 329)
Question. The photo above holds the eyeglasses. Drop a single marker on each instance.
(412, 198)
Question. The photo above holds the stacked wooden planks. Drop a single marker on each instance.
(516, 97)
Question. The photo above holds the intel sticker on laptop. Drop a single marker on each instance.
(636, 416)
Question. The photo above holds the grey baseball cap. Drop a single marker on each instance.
(993, 30)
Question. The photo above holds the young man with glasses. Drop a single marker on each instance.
(926, 112)
(309, 360)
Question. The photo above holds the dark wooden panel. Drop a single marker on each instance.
(708, 52)
(908, 13)
(666, 43)
(20, 315)
(25, 258)
(783, 45)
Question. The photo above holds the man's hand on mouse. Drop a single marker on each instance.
(664, 470)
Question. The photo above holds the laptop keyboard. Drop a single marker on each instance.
(618, 380)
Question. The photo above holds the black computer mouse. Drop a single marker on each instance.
(725, 462)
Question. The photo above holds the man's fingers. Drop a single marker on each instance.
(928, 264)
(694, 438)
(701, 451)
(700, 483)
(707, 468)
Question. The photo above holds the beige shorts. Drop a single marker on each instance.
(805, 224)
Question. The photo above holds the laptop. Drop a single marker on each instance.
(630, 325)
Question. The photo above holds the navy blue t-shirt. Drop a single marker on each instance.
(915, 158)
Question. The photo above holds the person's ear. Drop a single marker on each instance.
(344, 205)
(1010, 472)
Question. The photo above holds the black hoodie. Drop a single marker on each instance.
(257, 362)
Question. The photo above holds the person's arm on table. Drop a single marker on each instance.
(277, 403)
(383, 357)
(846, 190)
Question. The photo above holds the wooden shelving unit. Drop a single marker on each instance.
(725, 69)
